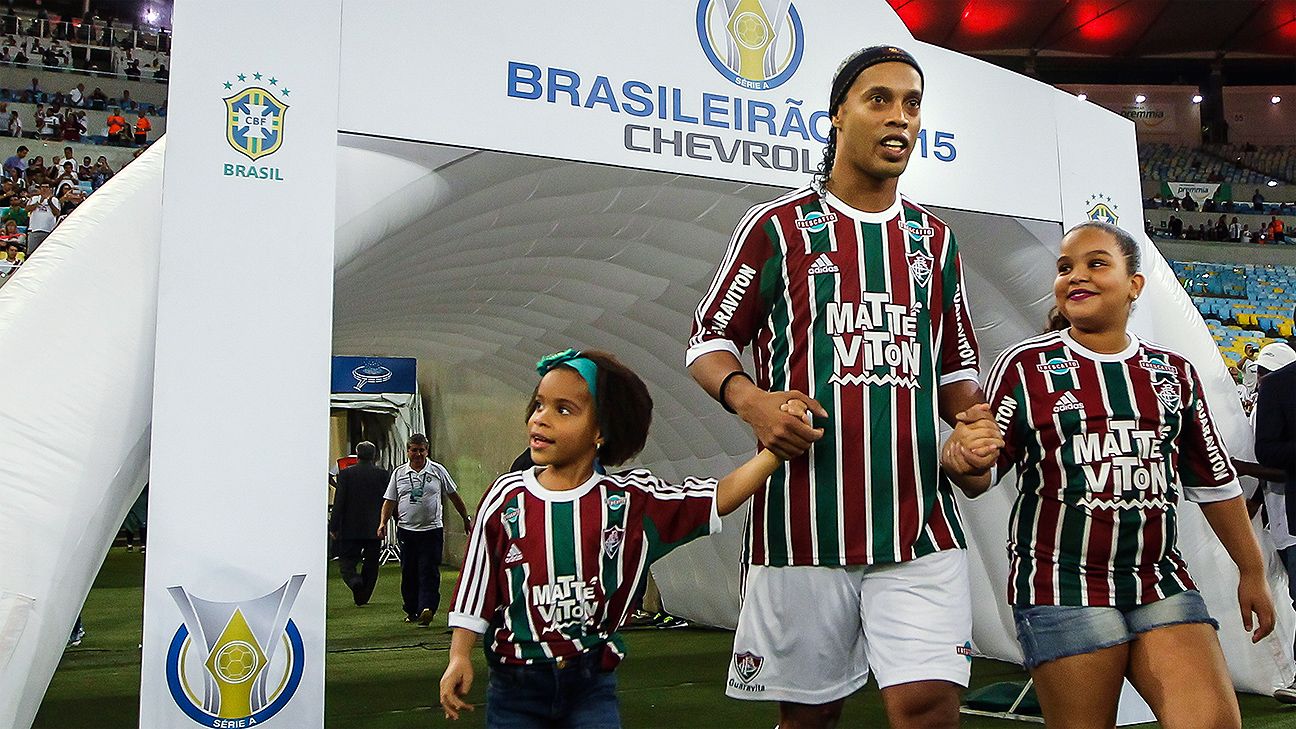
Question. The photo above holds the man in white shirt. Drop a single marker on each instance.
(415, 494)
(1248, 366)
(43, 211)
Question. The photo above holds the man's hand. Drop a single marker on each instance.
(468, 521)
(786, 434)
(382, 530)
(455, 684)
(975, 443)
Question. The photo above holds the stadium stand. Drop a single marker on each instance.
(1241, 304)
(1163, 161)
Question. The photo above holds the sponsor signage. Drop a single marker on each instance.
(374, 374)
(234, 594)
(728, 89)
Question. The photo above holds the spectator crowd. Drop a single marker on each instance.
(36, 196)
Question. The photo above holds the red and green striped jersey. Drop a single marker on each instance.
(1103, 445)
(865, 312)
(551, 574)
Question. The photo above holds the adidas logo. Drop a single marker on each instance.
(823, 264)
(1068, 401)
(514, 555)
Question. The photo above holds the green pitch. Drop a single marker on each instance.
(383, 673)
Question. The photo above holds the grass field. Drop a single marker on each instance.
(383, 674)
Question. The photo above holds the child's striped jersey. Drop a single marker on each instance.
(551, 574)
(1102, 444)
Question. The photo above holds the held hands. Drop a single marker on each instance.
(974, 445)
(455, 684)
(782, 420)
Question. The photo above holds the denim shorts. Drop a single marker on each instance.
(574, 693)
(1050, 632)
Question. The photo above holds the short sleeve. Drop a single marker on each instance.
(448, 484)
(675, 514)
(1205, 470)
(392, 494)
(1008, 406)
(477, 593)
(732, 311)
(957, 345)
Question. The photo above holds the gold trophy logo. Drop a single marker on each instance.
(756, 44)
(751, 35)
(236, 644)
(234, 662)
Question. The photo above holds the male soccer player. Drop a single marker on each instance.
(852, 299)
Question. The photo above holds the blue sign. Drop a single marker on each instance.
(374, 374)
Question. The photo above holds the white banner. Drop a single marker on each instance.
(687, 86)
(1199, 191)
(234, 593)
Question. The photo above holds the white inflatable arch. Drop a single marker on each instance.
(546, 186)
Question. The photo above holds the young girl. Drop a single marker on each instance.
(559, 555)
(1105, 432)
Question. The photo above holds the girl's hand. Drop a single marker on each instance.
(455, 684)
(798, 409)
(1254, 598)
(975, 443)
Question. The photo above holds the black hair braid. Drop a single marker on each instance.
(825, 166)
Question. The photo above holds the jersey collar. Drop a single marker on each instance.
(1087, 353)
(533, 485)
(864, 217)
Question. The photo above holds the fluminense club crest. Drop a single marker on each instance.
(748, 665)
(612, 538)
(1169, 393)
(920, 266)
(255, 116)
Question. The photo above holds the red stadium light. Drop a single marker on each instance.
(985, 18)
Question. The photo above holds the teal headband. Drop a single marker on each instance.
(573, 359)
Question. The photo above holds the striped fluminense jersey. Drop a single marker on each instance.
(1103, 445)
(550, 574)
(865, 313)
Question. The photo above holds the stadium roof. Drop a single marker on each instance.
(1131, 40)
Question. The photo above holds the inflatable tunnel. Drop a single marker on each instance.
(553, 188)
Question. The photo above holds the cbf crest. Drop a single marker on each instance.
(254, 118)
(1101, 209)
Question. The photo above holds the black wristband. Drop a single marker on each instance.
(724, 384)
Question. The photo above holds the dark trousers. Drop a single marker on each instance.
(577, 696)
(351, 552)
(420, 568)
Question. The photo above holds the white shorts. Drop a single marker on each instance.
(809, 635)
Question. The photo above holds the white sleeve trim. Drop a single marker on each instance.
(1211, 494)
(707, 347)
(716, 524)
(966, 373)
(469, 622)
